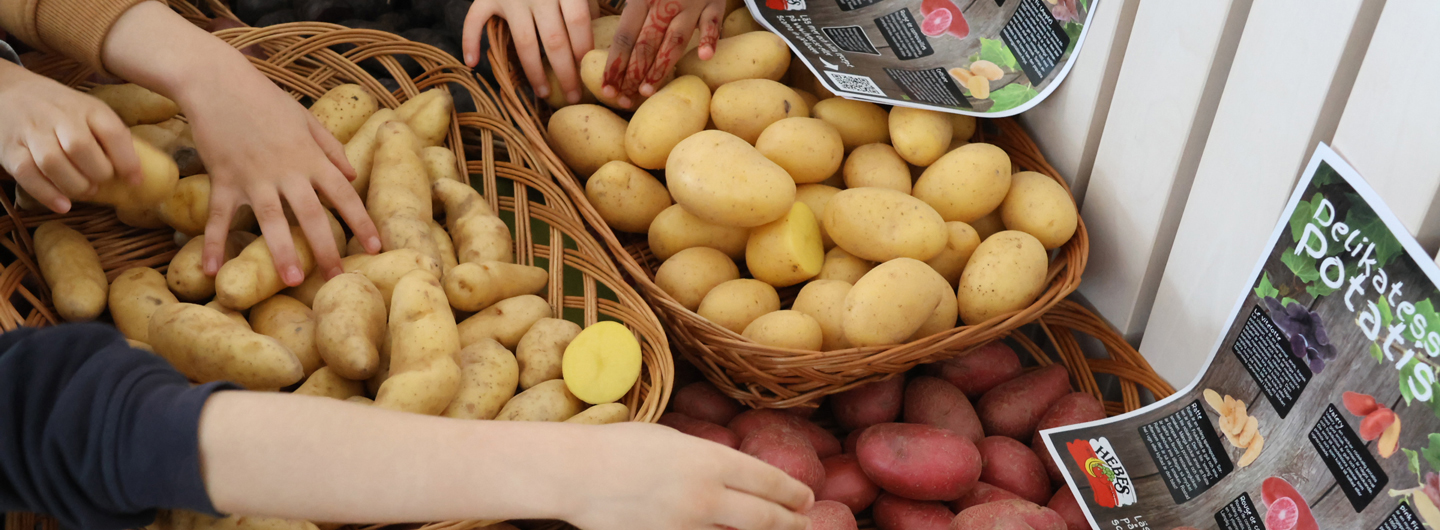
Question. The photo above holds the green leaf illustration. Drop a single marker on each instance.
(1426, 309)
(1072, 30)
(1432, 453)
(1377, 353)
(1287, 301)
(1266, 289)
(1363, 219)
(1302, 265)
(1407, 373)
(1413, 459)
(1013, 95)
(997, 52)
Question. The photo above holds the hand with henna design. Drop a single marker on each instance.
(651, 38)
(561, 26)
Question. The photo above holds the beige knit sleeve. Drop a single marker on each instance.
(73, 28)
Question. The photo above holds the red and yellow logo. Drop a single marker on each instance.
(1104, 471)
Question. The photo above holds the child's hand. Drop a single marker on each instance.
(646, 476)
(563, 27)
(651, 38)
(57, 142)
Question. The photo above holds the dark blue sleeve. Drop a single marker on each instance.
(96, 433)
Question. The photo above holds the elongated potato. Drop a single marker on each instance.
(891, 302)
(810, 150)
(879, 224)
(136, 104)
(736, 303)
(233, 315)
(675, 229)
(160, 177)
(786, 251)
(476, 286)
(627, 197)
(548, 401)
(293, 324)
(877, 166)
(478, 234)
(488, 376)
(251, 277)
(360, 150)
(786, 329)
(840, 265)
(506, 321)
(1039, 206)
(1006, 273)
(186, 273)
(424, 341)
(69, 263)
(428, 114)
(324, 382)
(139, 217)
(399, 200)
(541, 349)
(206, 346)
(387, 268)
(587, 136)
(135, 295)
(859, 122)
(746, 107)
(920, 136)
(967, 183)
(958, 249)
(671, 115)
(350, 325)
(691, 273)
(444, 245)
(754, 55)
(344, 109)
(746, 190)
(817, 196)
(602, 414)
(824, 301)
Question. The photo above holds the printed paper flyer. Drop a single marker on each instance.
(979, 57)
(1319, 407)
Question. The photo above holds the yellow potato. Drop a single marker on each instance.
(943, 318)
(428, 114)
(671, 115)
(722, 179)
(423, 375)
(444, 245)
(787, 329)
(958, 249)
(602, 364)
(627, 197)
(548, 401)
(802, 78)
(891, 302)
(824, 301)
(808, 149)
(963, 128)
(840, 265)
(879, 224)
(859, 122)
(360, 150)
(293, 324)
(134, 297)
(557, 98)
(400, 197)
(754, 55)
(816, 196)
(344, 109)
(967, 183)
(324, 382)
(1006, 273)
(989, 225)
(71, 267)
(746, 107)
(585, 137)
(541, 349)
(160, 177)
(877, 166)
(233, 315)
(602, 31)
(139, 217)
(488, 376)
(478, 234)
(384, 270)
(810, 99)
(206, 346)
(592, 75)
(734, 304)
(440, 163)
(187, 209)
(675, 229)
(251, 277)
(476, 286)
(920, 136)
(691, 273)
(786, 251)
(506, 321)
(602, 414)
(737, 22)
(136, 104)
(186, 274)
(158, 137)
(350, 325)
(1039, 206)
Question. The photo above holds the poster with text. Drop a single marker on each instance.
(1319, 406)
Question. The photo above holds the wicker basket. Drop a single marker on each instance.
(761, 375)
(585, 285)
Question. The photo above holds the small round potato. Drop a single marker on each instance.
(587, 136)
(722, 179)
(754, 55)
(541, 349)
(816, 196)
(733, 305)
(293, 324)
(185, 275)
(746, 107)
(134, 296)
(1039, 206)
(920, 136)
(691, 273)
(824, 300)
(675, 229)
(786, 329)
(963, 128)
(840, 265)
(1006, 273)
(877, 166)
(881, 224)
(891, 302)
(810, 150)
(951, 261)
(859, 122)
(627, 197)
(671, 115)
(966, 183)
(786, 251)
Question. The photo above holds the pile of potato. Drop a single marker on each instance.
(441, 322)
(899, 226)
(952, 446)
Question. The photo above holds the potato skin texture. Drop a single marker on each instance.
(360, 150)
(787, 449)
(891, 302)
(506, 321)
(809, 149)
(428, 114)
(691, 273)
(70, 264)
(135, 104)
(488, 376)
(869, 404)
(859, 122)
(424, 340)
(541, 349)
(160, 177)
(753, 55)
(919, 461)
(477, 233)
(734, 304)
(702, 401)
(134, 297)
(967, 183)
(1006, 273)
(880, 224)
(951, 261)
(350, 325)
(745, 108)
(587, 136)
(627, 197)
(920, 136)
(675, 229)
(877, 166)
(326, 383)
(1039, 206)
(206, 346)
(399, 197)
(251, 277)
(186, 275)
(1015, 407)
(548, 401)
(344, 109)
(817, 196)
(841, 266)
(1073, 408)
(824, 301)
(747, 190)
(786, 329)
(476, 286)
(675, 112)
(603, 414)
(293, 324)
(787, 250)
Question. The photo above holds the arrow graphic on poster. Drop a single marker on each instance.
(828, 65)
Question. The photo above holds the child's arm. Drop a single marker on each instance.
(562, 27)
(651, 38)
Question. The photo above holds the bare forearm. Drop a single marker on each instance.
(326, 460)
(156, 48)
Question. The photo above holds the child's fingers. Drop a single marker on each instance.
(577, 21)
(312, 220)
(522, 30)
(629, 26)
(56, 166)
(652, 35)
(749, 475)
(676, 38)
(84, 152)
(28, 176)
(480, 13)
(556, 39)
(276, 230)
(217, 227)
(334, 150)
(747, 512)
(710, 22)
(115, 139)
(347, 203)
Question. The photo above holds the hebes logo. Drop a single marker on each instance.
(786, 5)
(1107, 475)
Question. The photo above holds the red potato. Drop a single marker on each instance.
(787, 449)
(847, 484)
(825, 444)
(1011, 466)
(934, 401)
(1014, 408)
(984, 369)
(1010, 515)
(1067, 506)
(982, 493)
(1073, 408)
(919, 461)
(702, 401)
(866, 405)
(898, 513)
(831, 515)
(850, 441)
(700, 429)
